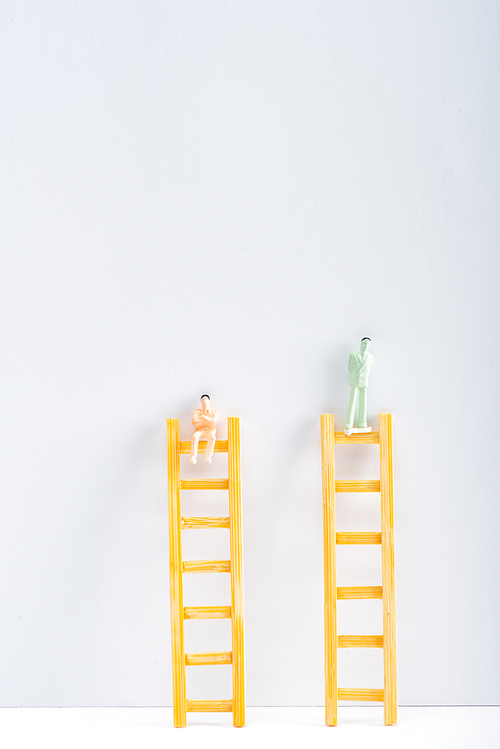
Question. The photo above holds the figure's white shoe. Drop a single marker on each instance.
(192, 459)
(208, 458)
(357, 430)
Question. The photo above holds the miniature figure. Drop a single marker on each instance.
(204, 419)
(360, 364)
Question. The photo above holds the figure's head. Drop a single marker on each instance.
(205, 401)
(365, 344)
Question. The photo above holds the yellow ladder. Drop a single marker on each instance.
(387, 641)
(234, 565)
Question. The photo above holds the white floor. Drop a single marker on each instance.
(149, 728)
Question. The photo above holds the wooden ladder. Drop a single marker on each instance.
(234, 565)
(387, 641)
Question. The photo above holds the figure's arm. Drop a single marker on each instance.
(368, 363)
(209, 420)
(204, 420)
(352, 363)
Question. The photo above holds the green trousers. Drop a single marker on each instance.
(355, 394)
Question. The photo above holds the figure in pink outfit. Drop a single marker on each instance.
(204, 420)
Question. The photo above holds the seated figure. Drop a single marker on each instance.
(204, 420)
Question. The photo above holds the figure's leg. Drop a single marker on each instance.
(209, 450)
(362, 409)
(350, 411)
(194, 446)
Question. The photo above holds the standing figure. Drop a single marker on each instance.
(360, 364)
(204, 419)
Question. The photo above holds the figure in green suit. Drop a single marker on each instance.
(360, 364)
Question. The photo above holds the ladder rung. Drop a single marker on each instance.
(207, 612)
(359, 538)
(207, 565)
(219, 447)
(207, 484)
(209, 706)
(363, 695)
(205, 522)
(360, 641)
(351, 593)
(208, 659)
(366, 438)
(354, 486)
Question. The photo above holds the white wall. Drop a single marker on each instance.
(226, 197)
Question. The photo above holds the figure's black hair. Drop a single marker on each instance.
(205, 396)
(366, 339)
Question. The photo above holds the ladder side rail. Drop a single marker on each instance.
(330, 567)
(236, 558)
(176, 596)
(388, 569)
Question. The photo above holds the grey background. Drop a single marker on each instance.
(226, 197)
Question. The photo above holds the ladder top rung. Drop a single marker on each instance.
(207, 565)
(359, 592)
(355, 486)
(358, 538)
(221, 446)
(365, 438)
(207, 612)
(208, 659)
(360, 641)
(363, 695)
(206, 484)
(199, 522)
(209, 706)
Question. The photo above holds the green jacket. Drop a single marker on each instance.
(360, 369)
